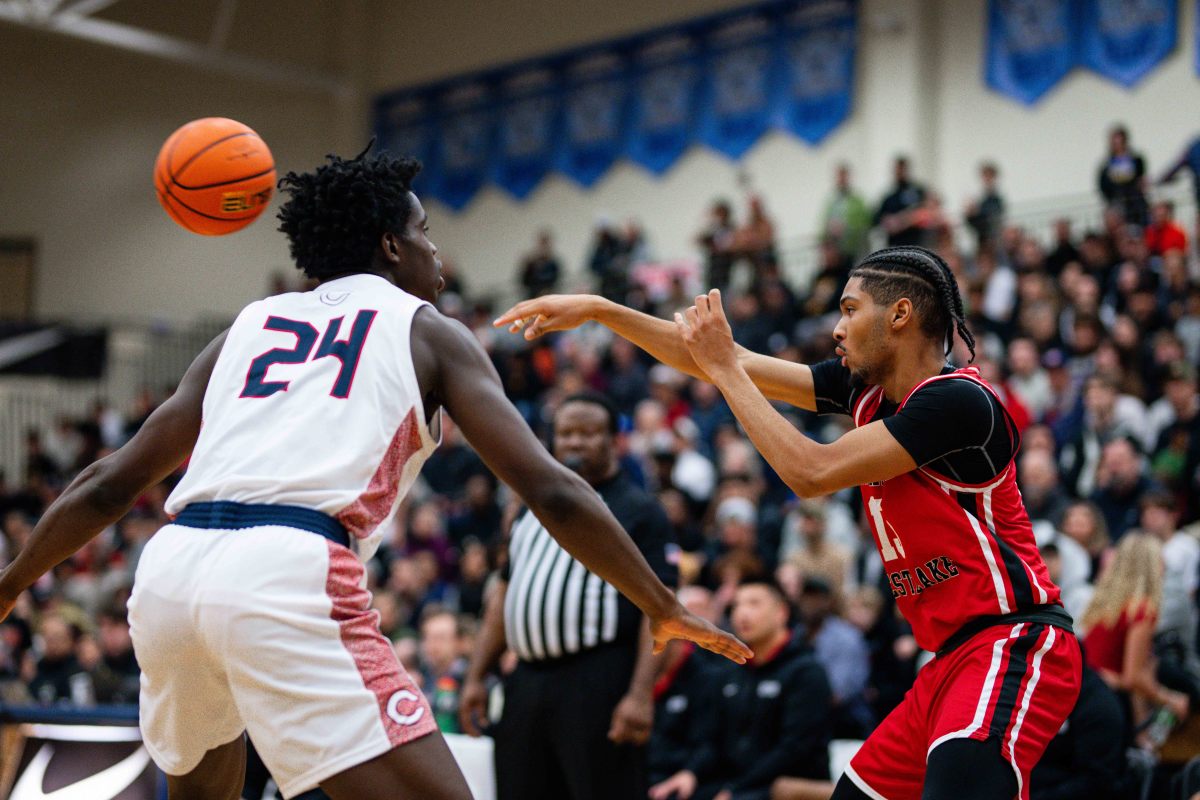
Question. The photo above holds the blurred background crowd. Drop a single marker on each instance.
(1090, 334)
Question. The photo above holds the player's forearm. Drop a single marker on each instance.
(87, 507)
(793, 456)
(577, 517)
(491, 641)
(658, 337)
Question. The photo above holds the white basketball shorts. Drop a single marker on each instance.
(267, 630)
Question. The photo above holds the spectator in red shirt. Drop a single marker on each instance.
(1164, 234)
(1120, 622)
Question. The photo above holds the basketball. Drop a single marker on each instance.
(214, 176)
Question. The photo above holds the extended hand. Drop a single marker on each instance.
(472, 706)
(707, 335)
(552, 312)
(632, 719)
(682, 624)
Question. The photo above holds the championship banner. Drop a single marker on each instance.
(741, 83)
(1124, 40)
(818, 61)
(1030, 46)
(404, 127)
(665, 95)
(596, 116)
(462, 149)
(528, 120)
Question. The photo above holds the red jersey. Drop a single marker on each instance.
(953, 551)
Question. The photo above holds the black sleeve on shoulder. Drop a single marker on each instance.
(952, 416)
(831, 387)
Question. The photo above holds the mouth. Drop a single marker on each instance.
(841, 351)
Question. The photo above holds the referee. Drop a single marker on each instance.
(579, 706)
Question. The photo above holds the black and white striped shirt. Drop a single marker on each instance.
(554, 606)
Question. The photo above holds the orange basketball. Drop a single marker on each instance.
(214, 176)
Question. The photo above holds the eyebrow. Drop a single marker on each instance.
(847, 298)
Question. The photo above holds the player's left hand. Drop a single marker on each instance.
(632, 719)
(685, 625)
(707, 334)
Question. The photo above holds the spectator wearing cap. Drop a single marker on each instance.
(767, 719)
(1164, 234)
(842, 650)
(813, 554)
(1121, 481)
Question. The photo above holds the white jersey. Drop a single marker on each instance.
(314, 402)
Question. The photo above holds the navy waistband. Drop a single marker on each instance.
(227, 515)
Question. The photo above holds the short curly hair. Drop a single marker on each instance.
(336, 214)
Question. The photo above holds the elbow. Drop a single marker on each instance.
(555, 498)
(806, 484)
(99, 491)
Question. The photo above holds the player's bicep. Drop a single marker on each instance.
(782, 380)
(870, 454)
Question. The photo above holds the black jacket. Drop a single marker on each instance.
(766, 720)
(678, 710)
(1086, 758)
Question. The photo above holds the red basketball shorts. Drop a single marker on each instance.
(1016, 683)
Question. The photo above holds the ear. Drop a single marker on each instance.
(902, 312)
(390, 244)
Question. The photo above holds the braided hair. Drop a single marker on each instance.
(924, 278)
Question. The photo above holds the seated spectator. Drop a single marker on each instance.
(1164, 234)
(814, 554)
(472, 577)
(1040, 488)
(841, 649)
(442, 665)
(1121, 481)
(681, 697)
(1080, 456)
(1085, 760)
(770, 718)
(479, 517)
(116, 677)
(60, 678)
(1118, 629)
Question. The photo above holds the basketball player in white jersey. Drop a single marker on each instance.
(306, 422)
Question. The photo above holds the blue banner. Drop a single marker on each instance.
(528, 130)
(1030, 46)
(818, 52)
(463, 147)
(596, 116)
(741, 84)
(1124, 40)
(665, 94)
(404, 127)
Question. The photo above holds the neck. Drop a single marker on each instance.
(601, 476)
(913, 365)
(769, 645)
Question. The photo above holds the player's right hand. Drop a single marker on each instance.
(683, 624)
(472, 706)
(552, 312)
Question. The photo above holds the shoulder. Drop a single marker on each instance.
(955, 394)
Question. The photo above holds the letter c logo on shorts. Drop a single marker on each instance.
(393, 707)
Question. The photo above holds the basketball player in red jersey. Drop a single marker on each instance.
(933, 452)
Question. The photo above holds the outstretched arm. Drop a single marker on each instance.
(466, 384)
(103, 492)
(810, 469)
(774, 377)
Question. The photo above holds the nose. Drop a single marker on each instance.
(839, 332)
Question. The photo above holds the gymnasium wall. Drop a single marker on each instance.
(80, 124)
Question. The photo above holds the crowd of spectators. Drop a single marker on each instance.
(1092, 337)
